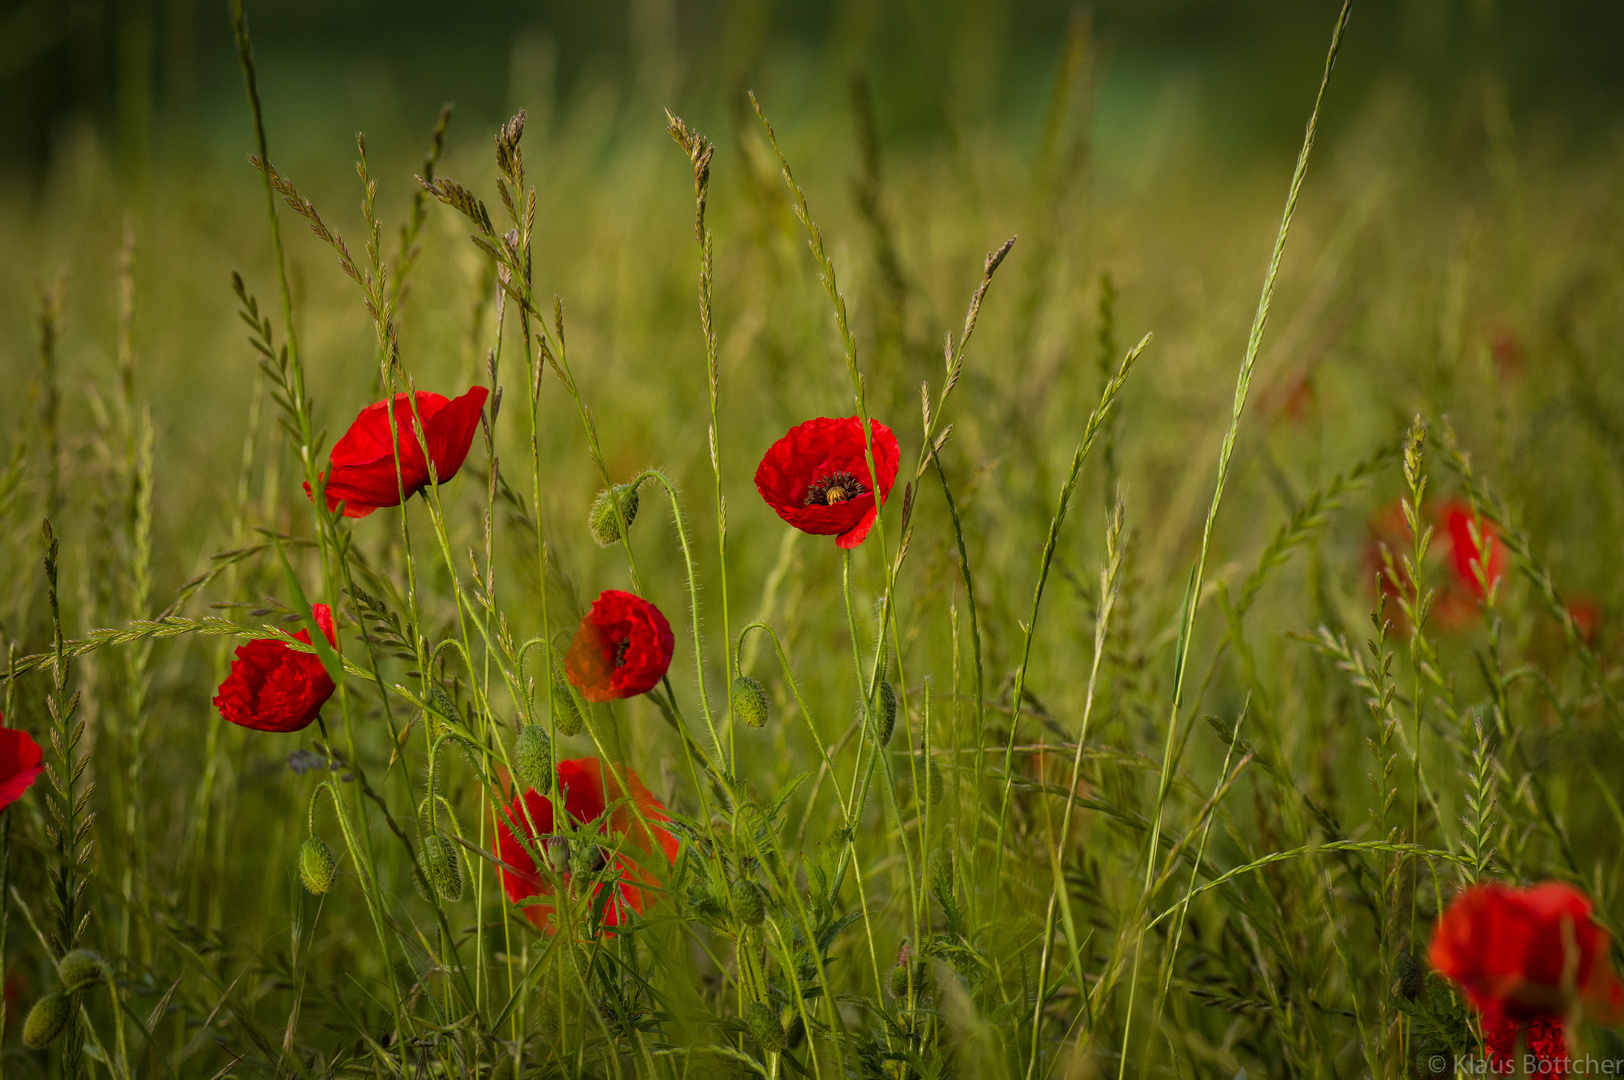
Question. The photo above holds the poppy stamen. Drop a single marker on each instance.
(834, 489)
(619, 654)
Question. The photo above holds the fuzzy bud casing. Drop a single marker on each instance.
(443, 866)
(1407, 977)
(533, 757)
(885, 716)
(566, 714)
(80, 970)
(605, 527)
(748, 903)
(935, 785)
(46, 1020)
(317, 867)
(764, 1026)
(750, 702)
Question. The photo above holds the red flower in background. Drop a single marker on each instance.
(1521, 955)
(816, 477)
(361, 471)
(19, 763)
(621, 649)
(274, 688)
(1545, 1038)
(588, 789)
(1585, 611)
(1457, 517)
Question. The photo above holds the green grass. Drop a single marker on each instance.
(1194, 806)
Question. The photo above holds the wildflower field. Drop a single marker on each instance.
(599, 592)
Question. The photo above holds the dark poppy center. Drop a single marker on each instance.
(617, 654)
(833, 490)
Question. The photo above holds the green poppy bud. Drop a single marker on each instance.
(558, 853)
(935, 785)
(748, 903)
(47, 1020)
(442, 865)
(885, 717)
(566, 714)
(749, 702)
(80, 970)
(764, 1026)
(533, 758)
(441, 705)
(1407, 977)
(602, 522)
(317, 867)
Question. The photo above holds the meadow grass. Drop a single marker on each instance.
(1172, 786)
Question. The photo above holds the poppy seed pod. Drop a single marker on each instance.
(885, 716)
(317, 867)
(750, 702)
(533, 757)
(763, 1024)
(566, 714)
(558, 853)
(443, 866)
(80, 970)
(748, 903)
(605, 527)
(46, 1020)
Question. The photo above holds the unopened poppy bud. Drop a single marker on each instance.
(935, 785)
(748, 903)
(533, 758)
(750, 702)
(602, 521)
(441, 704)
(80, 970)
(566, 714)
(317, 867)
(1407, 977)
(443, 866)
(558, 853)
(794, 1027)
(46, 1020)
(764, 1026)
(885, 717)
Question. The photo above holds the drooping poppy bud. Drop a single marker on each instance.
(317, 867)
(80, 970)
(602, 522)
(1407, 977)
(764, 1026)
(885, 715)
(533, 757)
(566, 713)
(750, 702)
(748, 903)
(46, 1020)
(442, 865)
(935, 786)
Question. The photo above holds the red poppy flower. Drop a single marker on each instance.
(1585, 611)
(1545, 1041)
(816, 477)
(1527, 953)
(19, 763)
(274, 688)
(621, 649)
(588, 788)
(1457, 518)
(362, 466)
